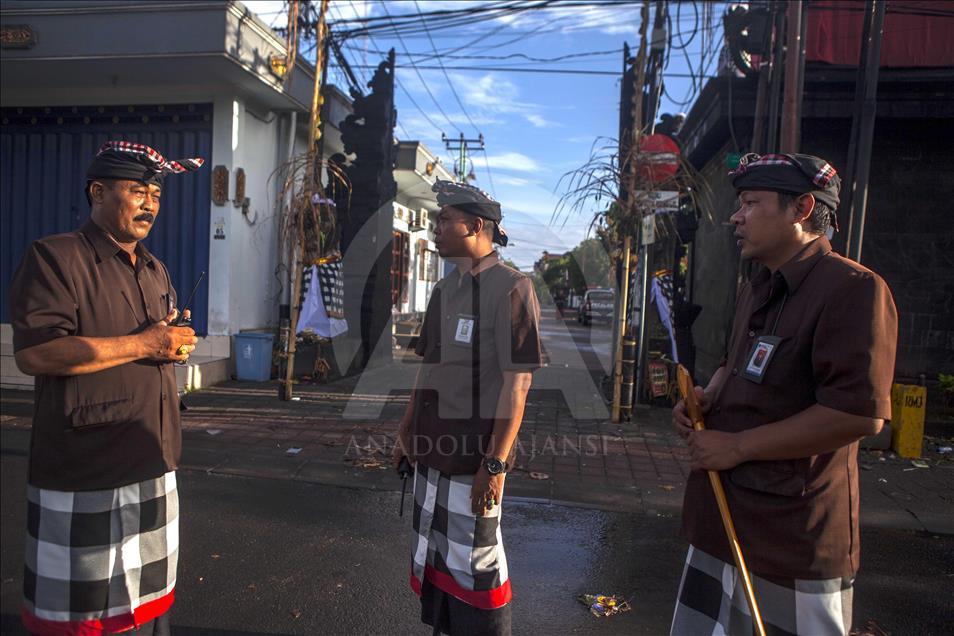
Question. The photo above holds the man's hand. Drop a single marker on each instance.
(680, 416)
(163, 343)
(402, 443)
(487, 491)
(714, 450)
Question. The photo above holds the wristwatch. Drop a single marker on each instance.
(494, 466)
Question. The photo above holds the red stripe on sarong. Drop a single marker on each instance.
(481, 599)
(96, 626)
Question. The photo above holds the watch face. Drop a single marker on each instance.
(494, 465)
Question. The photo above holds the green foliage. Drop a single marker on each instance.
(946, 383)
(586, 265)
(593, 264)
(541, 289)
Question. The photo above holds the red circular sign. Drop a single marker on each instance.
(658, 158)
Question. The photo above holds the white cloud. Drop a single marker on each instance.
(514, 161)
(490, 92)
(514, 181)
(539, 121)
(581, 139)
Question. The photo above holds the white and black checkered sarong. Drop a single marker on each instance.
(101, 560)
(454, 549)
(712, 601)
(331, 286)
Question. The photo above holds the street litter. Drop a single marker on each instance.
(601, 605)
(368, 457)
(536, 475)
(917, 463)
(668, 488)
(294, 450)
(882, 480)
(944, 449)
(296, 398)
(214, 431)
(871, 628)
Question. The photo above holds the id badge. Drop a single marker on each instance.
(759, 358)
(465, 330)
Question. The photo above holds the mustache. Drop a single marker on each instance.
(144, 217)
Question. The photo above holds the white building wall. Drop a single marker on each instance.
(219, 256)
(253, 243)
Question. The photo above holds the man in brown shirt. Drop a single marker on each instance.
(480, 343)
(807, 374)
(92, 313)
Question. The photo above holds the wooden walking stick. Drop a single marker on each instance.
(695, 414)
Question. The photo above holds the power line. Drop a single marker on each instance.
(547, 60)
(400, 85)
(555, 71)
(490, 177)
(437, 56)
(446, 76)
(420, 77)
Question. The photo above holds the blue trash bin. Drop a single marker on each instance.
(253, 356)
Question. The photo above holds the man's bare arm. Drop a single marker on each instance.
(814, 431)
(79, 355)
(818, 429)
(509, 416)
(403, 442)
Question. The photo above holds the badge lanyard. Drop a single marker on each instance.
(760, 355)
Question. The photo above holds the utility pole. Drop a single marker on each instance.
(794, 80)
(862, 125)
(460, 165)
(312, 187)
(634, 212)
(778, 53)
(654, 86)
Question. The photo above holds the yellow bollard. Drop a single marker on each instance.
(908, 404)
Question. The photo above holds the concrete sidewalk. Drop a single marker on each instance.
(337, 435)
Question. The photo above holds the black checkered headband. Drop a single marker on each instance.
(136, 162)
(467, 198)
(791, 174)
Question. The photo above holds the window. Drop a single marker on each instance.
(400, 262)
(427, 262)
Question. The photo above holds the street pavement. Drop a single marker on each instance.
(290, 519)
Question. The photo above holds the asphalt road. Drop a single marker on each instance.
(279, 557)
(265, 556)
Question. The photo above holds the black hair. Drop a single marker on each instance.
(819, 221)
(109, 183)
(488, 227)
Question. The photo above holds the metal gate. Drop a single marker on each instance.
(44, 153)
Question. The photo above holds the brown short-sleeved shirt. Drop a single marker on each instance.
(838, 328)
(113, 427)
(477, 325)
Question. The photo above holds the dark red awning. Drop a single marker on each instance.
(917, 33)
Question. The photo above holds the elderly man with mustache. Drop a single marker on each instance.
(92, 313)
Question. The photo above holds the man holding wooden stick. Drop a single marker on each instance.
(807, 374)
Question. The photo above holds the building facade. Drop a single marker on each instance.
(198, 81)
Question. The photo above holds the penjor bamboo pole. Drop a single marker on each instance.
(695, 414)
(312, 181)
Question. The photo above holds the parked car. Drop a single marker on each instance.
(597, 304)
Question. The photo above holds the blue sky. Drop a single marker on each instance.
(536, 126)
